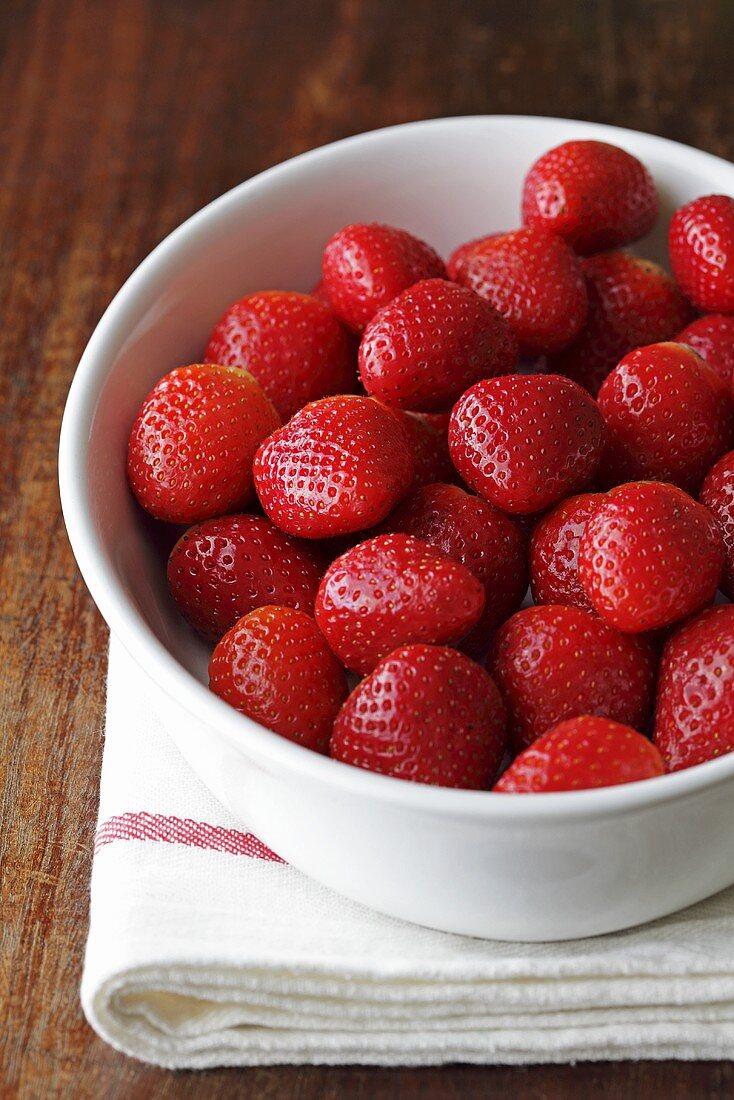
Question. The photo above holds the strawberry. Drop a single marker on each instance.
(533, 278)
(479, 536)
(318, 290)
(431, 342)
(712, 337)
(593, 194)
(291, 343)
(366, 266)
(717, 494)
(650, 556)
(701, 248)
(694, 715)
(631, 302)
(191, 447)
(430, 445)
(554, 552)
(669, 417)
(581, 753)
(393, 590)
(340, 465)
(221, 569)
(275, 667)
(428, 714)
(552, 663)
(526, 441)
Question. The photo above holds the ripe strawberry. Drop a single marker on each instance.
(631, 302)
(593, 194)
(291, 343)
(650, 556)
(191, 447)
(694, 715)
(430, 343)
(712, 337)
(319, 291)
(552, 663)
(717, 494)
(526, 441)
(430, 444)
(393, 590)
(427, 714)
(340, 465)
(479, 536)
(221, 569)
(366, 266)
(276, 668)
(669, 417)
(701, 247)
(534, 279)
(554, 552)
(581, 753)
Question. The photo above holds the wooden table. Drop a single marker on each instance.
(119, 118)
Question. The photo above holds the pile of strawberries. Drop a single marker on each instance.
(374, 472)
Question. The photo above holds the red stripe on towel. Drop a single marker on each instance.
(181, 830)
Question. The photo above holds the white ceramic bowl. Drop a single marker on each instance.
(541, 867)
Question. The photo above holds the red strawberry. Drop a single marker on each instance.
(581, 753)
(554, 552)
(712, 337)
(593, 194)
(427, 714)
(340, 465)
(393, 590)
(534, 279)
(668, 417)
(276, 668)
(426, 346)
(366, 266)
(552, 663)
(631, 302)
(291, 343)
(701, 247)
(475, 533)
(650, 556)
(319, 291)
(717, 494)
(430, 443)
(694, 715)
(221, 569)
(191, 447)
(526, 441)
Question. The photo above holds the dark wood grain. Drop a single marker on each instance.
(119, 118)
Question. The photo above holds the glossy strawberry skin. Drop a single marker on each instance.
(669, 417)
(338, 466)
(712, 337)
(426, 714)
(579, 754)
(275, 667)
(717, 494)
(554, 552)
(650, 556)
(694, 714)
(533, 279)
(394, 590)
(291, 343)
(365, 266)
(701, 248)
(631, 302)
(479, 536)
(594, 195)
(430, 343)
(552, 663)
(430, 444)
(222, 569)
(526, 441)
(191, 447)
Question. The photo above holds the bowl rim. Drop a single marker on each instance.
(127, 624)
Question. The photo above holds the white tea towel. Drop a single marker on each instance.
(205, 950)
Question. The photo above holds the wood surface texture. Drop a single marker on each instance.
(118, 119)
